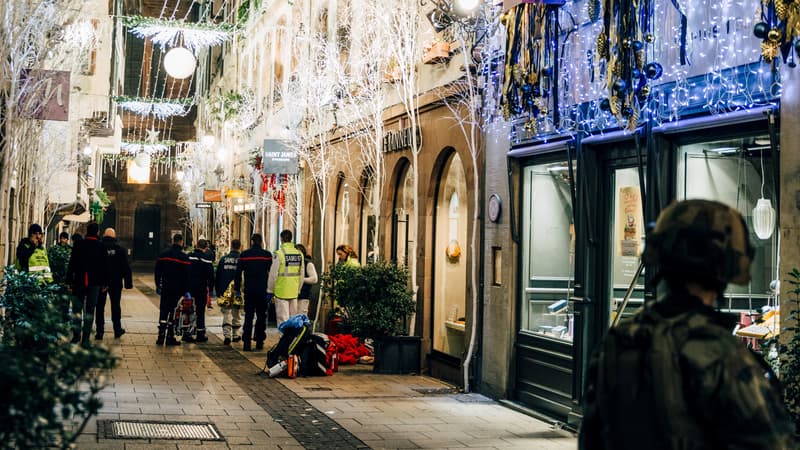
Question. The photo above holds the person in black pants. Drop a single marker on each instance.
(118, 271)
(87, 274)
(254, 263)
(172, 281)
(201, 283)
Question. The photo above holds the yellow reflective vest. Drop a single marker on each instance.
(290, 271)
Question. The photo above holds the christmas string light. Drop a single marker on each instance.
(163, 32)
(160, 108)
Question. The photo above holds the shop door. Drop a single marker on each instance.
(146, 232)
(625, 234)
(546, 329)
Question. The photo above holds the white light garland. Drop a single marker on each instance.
(161, 110)
(133, 147)
(168, 35)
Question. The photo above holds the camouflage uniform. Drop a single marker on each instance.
(59, 260)
(673, 376)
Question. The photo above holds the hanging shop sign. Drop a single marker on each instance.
(235, 193)
(212, 195)
(279, 158)
(46, 94)
(394, 141)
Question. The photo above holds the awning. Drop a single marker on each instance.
(80, 218)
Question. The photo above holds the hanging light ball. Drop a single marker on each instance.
(142, 160)
(605, 104)
(797, 46)
(774, 35)
(645, 91)
(760, 30)
(649, 38)
(466, 6)
(620, 86)
(637, 46)
(179, 63)
(653, 70)
(763, 218)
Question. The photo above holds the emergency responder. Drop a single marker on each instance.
(230, 303)
(119, 272)
(172, 282)
(87, 274)
(673, 376)
(201, 283)
(254, 264)
(31, 255)
(285, 278)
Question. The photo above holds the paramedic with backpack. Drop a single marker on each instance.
(172, 281)
(286, 278)
(673, 376)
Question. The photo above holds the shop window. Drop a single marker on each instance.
(736, 172)
(548, 248)
(627, 242)
(403, 211)
(450, 278)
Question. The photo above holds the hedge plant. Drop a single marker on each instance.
(51, 385)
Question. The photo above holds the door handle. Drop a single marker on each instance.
(580, 300)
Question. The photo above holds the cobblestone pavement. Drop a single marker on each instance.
(352, 409)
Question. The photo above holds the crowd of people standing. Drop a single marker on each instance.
(95, 270)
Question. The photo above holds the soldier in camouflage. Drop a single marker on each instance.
(673, 376)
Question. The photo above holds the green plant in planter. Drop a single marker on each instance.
(374, 300)
(790, 353)
(55, 383)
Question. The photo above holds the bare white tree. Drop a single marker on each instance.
(33, 35)
(316, 91)
(403, 46)
(367, 98)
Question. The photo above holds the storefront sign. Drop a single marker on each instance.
(394, 141)
(46, 95)
(212, 195)
(279, 158)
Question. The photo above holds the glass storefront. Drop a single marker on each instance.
(548, 246)
(451, 245)
(737, 172)
(627, 241)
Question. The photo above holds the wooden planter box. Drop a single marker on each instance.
(397, 355)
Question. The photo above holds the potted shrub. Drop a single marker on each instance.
(790, 353)
(375, 302)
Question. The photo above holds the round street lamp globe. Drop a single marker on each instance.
(142, 160)
(467, 6)
(179, 63)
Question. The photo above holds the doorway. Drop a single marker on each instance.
(147, 232)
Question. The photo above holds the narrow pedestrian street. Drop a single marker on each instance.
(211, 383)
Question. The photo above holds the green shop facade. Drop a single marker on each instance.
(572, 183)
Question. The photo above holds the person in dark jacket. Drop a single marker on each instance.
(172, 281)
(201, 283)
(87, 273)
(119, 271)
(230, 304)
(31, 255)
(254, 264)
(58, 256)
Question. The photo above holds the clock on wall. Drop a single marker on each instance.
(495, 206)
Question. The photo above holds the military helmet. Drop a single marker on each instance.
(701, 240)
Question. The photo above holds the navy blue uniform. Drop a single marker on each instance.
(172, 281)
(201, 283)
(254, 264)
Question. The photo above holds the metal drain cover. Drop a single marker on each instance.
(139, 429)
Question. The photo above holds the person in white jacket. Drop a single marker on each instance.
(310, 278)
